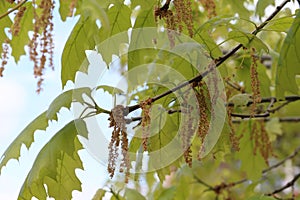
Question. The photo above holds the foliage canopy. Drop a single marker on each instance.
(209, 87)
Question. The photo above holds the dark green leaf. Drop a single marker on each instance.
(26, 137)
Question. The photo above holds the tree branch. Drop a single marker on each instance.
(217, 62)
(13, 9)
(289, 184)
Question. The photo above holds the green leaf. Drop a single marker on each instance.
(289, 61)
(64, 9)
(238, 7)
(111, 90)
(262, 5)
(260, 197)
(65, 100)
(18, 42)
(95, 9)
(167, 194)
(26, 137)
(248, 40)
(4, 22)
(240, 99)
(133, 194)
(273, 127)
(55, 167)
(252, 164)
(73, 56)
(99, 194)
(282, 24)
(119, 21)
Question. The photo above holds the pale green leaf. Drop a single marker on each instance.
(55, 167)
(18, 42)
(133, 194)
(289, 61)
(4, 22)
(248, 40)
(273, 127)
(240, 99)
(65, 100)
(73, 56)
(260, 197)
(64, 9)
(96, 9)
(99, 194)
(280, 24)
(252, 164)
(111, 90)
(167, 194)
(26, 137)
(262, 5)
(119, 22)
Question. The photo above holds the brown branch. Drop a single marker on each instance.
(218, 61)
(297, 150)
(13, 9)
(281, 119)
(288, 185)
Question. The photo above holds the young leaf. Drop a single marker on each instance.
(65, 99)
(262, 5)
(260, 197)
(99, 194)
(248, 40)
(18, 42)
(289, 61)
(55, 167)
(240, 99)
(5, 22)
(119, 21)
(251, 164)
(133, 194)
(111, 90)
(25, 137)
(73, 56)
(64, 9)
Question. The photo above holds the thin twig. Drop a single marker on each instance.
(297, 150)
(281, 119)
(289, 184)
(13, 9)
(218, 61)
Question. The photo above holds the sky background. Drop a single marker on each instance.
(20, 104)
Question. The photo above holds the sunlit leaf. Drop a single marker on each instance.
(119, 21)
(18, 42)
(262, 5)
(73, 56)
(248, 40)
(26, 137)
(5, 22)
(133, 194)
(55, 167)
(99, 194)
(111, 90)
(65, 100)
(252, 164)
(289, 61)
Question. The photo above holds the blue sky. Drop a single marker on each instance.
(20, 104)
